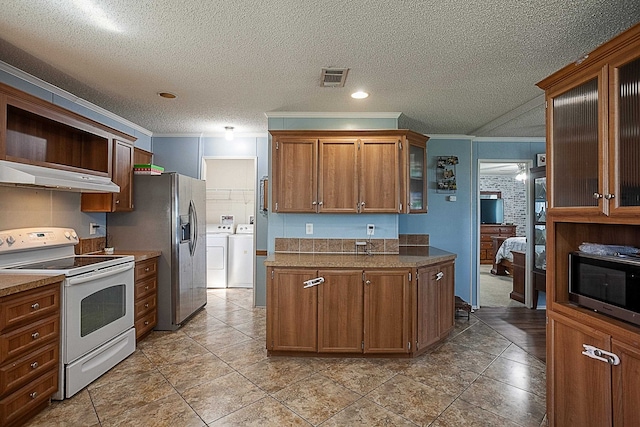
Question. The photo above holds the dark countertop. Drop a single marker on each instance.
(14, 283)
(409, 257)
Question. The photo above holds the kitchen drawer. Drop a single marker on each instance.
(20, 341)
(145, 324)
(144, 305)
(145, 268)
(26, 399)
(146, 287)
(27, 368)
(25, 307)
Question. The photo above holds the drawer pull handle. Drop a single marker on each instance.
(146, 305)
(146, 322)
(146, 288)
(34, 365)
(147, 269)
(35, 335)
(35, 306)
(33, 395)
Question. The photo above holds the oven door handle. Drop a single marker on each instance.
(110, 272)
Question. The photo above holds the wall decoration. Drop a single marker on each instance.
(541, 159)
(446, 174)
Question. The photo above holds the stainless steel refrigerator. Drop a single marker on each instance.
(169, 216)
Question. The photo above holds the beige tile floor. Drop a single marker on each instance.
(214, 371)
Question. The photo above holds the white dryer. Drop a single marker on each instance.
(241, 257)
(218, 254)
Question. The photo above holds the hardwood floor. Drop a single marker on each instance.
(524, 327)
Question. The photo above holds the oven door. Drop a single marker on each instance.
(98, 306)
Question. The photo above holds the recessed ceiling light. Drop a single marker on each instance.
(359, 95)
(167, 95)
(228, 133)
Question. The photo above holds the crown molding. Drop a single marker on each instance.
(332, 115)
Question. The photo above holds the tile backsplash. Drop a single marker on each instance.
(348, 246)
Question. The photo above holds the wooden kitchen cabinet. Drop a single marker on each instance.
(386, 311)
(595, 139)
(435, 303)
(37, 132)
(340, 311)
(292, 311)
(588, 391)
(145, 296)
(594, 196)
(349, 311)
(122, 175)
(348, 171)
(29, 352)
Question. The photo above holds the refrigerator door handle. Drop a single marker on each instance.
(193, 220)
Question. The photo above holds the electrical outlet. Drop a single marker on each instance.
(92, 228)
(309, 228)
(370, 229)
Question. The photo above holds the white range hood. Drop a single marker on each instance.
(21, 174)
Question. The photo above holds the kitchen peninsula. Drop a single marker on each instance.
(386, 304)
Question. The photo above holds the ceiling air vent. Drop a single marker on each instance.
(333, 77)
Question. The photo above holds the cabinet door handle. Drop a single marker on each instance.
(609, 196)
(314, 203)
(440, 275)
(601, 355)
(320, 203)
(368, 282)
(35, 335)
(313, 282)
(597, 196)
(118, 202)
(35, 306)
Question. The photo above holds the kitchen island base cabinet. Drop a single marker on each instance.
(436, 304)
(356, 312)
(386, 311)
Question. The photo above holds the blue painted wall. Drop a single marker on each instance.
(453, 226)
(448, 224)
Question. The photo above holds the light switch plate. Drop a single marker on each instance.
(309, 228)
(371, 228)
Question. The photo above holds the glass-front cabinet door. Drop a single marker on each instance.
(417, 179)
(539, 237)
(624, 129)
(577, 140)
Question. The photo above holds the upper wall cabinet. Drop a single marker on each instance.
(592, 112)
(348, 171)
(37, 132)
(122, 176)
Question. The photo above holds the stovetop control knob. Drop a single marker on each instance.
(1, 241)
(74, 235)
(11, 240)
(67, 235)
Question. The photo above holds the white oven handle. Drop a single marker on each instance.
(109, 271)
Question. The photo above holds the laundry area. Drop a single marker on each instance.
(231, 203)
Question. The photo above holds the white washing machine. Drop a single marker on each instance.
(241, 257)
(218, 254)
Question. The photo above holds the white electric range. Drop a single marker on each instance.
(96, 300)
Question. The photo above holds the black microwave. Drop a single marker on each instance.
(606, 284)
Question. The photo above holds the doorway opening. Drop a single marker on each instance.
(503, 224)
(231, 184)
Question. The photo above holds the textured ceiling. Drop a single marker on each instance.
(450, 66)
